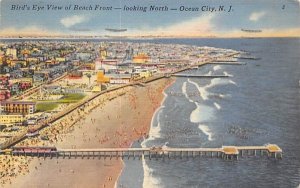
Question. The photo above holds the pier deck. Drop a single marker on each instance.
(225, 152)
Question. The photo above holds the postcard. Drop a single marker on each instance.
(152, 94)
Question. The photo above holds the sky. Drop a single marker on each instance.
(275, 18)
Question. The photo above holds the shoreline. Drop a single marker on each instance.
(95, 129)
(150, 125)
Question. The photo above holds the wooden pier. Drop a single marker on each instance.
(228, 63)
(200, 76)
(225, 152)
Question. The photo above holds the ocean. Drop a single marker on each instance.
(259, 104)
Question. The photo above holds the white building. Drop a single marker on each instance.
(12, 52)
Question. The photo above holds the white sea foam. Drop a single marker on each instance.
(206, 131)
(201, 113)
(219, 81)
(217, 67)
(202, 90)
(204, 94)
(183, 88)
(224, 96)
(149, 180)
(165, 145)
(217, 106)
(226, 74)
(154, 132)
(232, 82)
(209, 73)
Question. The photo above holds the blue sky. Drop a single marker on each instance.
(273, 17)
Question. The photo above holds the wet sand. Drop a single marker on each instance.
(115, 123)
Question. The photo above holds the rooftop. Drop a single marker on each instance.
(273, 148)
(17, 102)
(230, 150)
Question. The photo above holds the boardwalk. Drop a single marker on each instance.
(225, 152)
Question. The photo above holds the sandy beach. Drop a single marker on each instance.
(117, 119)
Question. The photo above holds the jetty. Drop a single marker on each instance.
(227, 63)
(200, 76)
(249, 57)
(224, 152)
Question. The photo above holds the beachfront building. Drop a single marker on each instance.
(101, 78)
(119, 78)
(96, 89)
(145, 74)
(10, 119)
(17, 107)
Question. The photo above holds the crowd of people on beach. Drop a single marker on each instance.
(11, 166)
(61, 129)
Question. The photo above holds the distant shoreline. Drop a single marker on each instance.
(134, 38)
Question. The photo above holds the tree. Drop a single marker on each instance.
(88, 75)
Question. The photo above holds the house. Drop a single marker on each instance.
(6, 69)
(17, 63)
(60, 59)
(16, 74)
(4, 94)
(40, 76)
(72, 90)
(15, 89)
(52, 89)
(4, 79)
(75, 75)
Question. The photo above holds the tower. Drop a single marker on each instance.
(103, 52)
